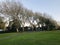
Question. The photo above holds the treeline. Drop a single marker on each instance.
(19, 16)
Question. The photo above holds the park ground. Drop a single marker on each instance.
(31, 38)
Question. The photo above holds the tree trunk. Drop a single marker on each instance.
(17, 30)
(23, 29)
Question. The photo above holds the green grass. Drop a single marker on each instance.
(31, 38)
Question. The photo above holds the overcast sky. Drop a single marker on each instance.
(51, 7)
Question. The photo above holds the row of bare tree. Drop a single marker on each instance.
(20, 15)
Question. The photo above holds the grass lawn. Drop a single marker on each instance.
(31, 38)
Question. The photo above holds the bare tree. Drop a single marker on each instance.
(12, 8)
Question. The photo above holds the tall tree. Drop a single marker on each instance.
(12, 8)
